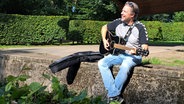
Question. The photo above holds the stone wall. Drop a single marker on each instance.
(148, 84)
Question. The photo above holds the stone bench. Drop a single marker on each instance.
(148, 85)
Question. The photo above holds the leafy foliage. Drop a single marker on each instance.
(89, 31)
(44, 30)
(95, 9)
(34, 7)
(179, 16)
(77, 9)
(172, 31)
(34, 93)
(21, 29)
(85, 31)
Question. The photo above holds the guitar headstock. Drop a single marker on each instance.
(142, 52)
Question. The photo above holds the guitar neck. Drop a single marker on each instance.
(122, 47)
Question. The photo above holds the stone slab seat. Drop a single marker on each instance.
(153, 84)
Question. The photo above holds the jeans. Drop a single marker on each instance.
(114, 84)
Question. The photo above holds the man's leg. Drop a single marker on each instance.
(107, 76)
(124, 70)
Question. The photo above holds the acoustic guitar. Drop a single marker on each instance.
(118, 44)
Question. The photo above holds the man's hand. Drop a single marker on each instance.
(106, 44)
(145, 47)
(132, 51)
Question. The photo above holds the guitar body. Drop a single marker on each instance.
(117, 45)
(102, 49)
(112, 40)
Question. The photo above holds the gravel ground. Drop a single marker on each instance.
(56, 52)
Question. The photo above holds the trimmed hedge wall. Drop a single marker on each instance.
(89, 31)
(85, 31)
(20, 29)
(44, 30)
(172, 31)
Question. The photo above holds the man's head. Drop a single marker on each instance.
(130, 11)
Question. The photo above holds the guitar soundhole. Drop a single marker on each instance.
(112, 44)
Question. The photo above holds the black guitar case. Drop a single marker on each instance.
(73, 62)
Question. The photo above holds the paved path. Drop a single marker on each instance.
(61, 51)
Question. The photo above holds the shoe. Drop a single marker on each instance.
(118, 99)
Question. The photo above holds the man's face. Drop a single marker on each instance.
(127, 14)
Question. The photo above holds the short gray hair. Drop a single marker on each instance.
(134, 7)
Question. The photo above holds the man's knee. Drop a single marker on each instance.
(126, 68)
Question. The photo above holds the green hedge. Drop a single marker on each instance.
(21, 29)
(24, 29)
(85, 31)
(172, 31)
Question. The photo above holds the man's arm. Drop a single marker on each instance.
(103, 33)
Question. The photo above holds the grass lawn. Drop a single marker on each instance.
(166, 43)
(165, 62)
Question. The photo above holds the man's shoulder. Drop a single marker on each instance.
(114, 23)
(139, 24)
(118, 20)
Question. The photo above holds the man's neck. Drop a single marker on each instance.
(130, 23)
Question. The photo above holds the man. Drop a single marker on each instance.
(135, 33)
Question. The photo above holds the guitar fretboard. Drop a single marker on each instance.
(119, 46)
